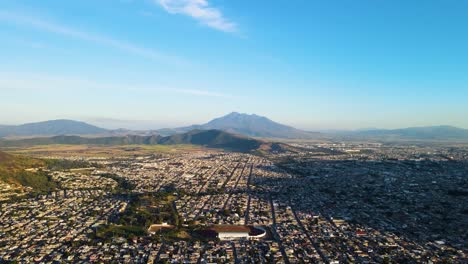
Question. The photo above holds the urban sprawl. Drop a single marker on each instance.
(316, 203)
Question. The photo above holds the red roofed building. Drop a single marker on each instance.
(361, 233)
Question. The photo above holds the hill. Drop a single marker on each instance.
(4, 157)
(77, 140)
(14, 170)
(214, 139)
(247, 125)
(51, 128)
(417, 133)
(208, 138)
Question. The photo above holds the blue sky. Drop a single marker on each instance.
(334, 64)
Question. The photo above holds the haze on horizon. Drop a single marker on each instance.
(314, 65)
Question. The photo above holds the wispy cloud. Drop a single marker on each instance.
(39, 82)
(201, 11)
(59, 29)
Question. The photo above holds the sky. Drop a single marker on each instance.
(312, 64)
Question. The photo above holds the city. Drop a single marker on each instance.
(234, 131)
(324, 203)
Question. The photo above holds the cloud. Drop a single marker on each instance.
(30, 82)
(103, 40)
(201, 11)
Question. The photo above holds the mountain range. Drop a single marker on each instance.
(249, 125)
(411, 133)
(207, 138)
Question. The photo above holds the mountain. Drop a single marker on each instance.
(50, 128)
(208, 138)
(247, 125)
(416, 133)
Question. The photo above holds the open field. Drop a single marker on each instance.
(101, 151)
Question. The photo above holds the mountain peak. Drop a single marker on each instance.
(251, 125)
(242, 115)
(235, 114)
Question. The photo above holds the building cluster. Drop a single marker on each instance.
(10, 191)
(53, 226)
(75, 180)
(325, 203)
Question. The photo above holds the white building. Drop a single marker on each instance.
(232, 232)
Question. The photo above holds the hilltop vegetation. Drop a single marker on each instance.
(214, 139)
(25, 171)
(207, 138)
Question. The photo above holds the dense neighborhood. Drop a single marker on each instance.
(328, 203)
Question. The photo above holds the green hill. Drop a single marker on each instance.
(208, 138)
(214, 139)
(77, 140)
(15, 170)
